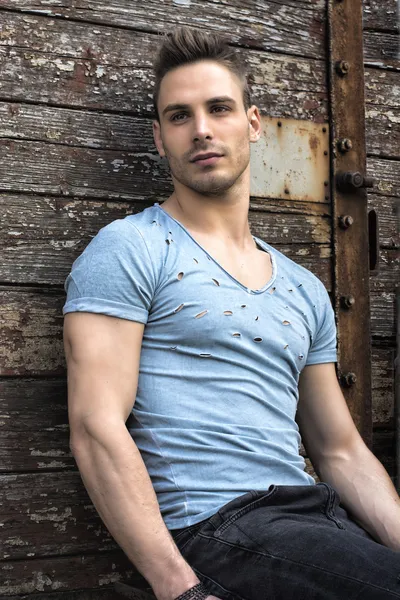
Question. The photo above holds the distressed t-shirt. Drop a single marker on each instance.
(214, 413)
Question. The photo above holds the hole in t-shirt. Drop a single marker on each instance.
(285, 347)
(168, 241)
(236, 334)
(272, 290)
(216, 281)
(179, 308)
(290, 290)
(301, 356)
(258, 339)
(201, 314)
(204, 355)
(173, 347)
(286, 322)
(256, 318)
(300, 285)
(228, 313)
(180, 275)
(196, 261)
(243, 306)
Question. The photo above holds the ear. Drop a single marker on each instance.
(255, 128)
(157, 138)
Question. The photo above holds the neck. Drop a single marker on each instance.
(224, 216)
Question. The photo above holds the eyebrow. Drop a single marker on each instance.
(216, 100)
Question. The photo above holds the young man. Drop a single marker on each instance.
(212, 343)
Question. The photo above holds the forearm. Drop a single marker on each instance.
(120, 488)
(367, 492)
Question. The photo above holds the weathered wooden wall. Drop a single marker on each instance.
(382, 81)
(77, 153)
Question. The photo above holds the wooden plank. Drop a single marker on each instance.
(68, 64)
(41, 248)
(382, 364)
(384, 448)
(387, 175)
(34, 429)
(381, 87)
(388, 211)
(382, 131)
(127, 133)
(55, 574)
(56, 169)
(381, 49)
(380, 15)
(383, 286)
(288, 26)
(72, 127)
(50, 514)
(31, 332)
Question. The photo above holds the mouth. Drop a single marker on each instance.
(208, 158)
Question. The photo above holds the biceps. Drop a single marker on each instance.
(325, 422)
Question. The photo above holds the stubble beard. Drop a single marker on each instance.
(208, 182)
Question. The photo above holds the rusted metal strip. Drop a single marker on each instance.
(350, 230)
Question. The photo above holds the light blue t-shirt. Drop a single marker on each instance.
(214, 415)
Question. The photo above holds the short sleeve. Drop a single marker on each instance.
(114, 275)
(324, 345)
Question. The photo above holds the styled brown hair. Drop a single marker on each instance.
(186, 45)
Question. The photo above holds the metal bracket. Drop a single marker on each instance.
(349, 199)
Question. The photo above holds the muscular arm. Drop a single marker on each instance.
(341, 458)
(103, 360)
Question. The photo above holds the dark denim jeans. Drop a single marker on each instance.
(289, 543)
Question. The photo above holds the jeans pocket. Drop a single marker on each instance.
(259, 499)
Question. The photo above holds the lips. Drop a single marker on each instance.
(205, 156)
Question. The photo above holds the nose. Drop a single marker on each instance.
(202, 128)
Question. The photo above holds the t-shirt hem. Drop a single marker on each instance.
(109, 308)
(321, 358)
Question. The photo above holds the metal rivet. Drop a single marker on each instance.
(344, 145)
(347, 301)
(348, 379)
(345, 221)
(342, 67)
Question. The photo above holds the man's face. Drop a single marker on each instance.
(202, 113)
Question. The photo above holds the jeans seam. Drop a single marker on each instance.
(243, 511)
(329, 512)
(297, 562)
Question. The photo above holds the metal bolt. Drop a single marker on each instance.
(344, 145)
(342, 67)
(347, 301)
(348, 379)
(345, 221)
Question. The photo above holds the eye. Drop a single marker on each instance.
(177, 116)
(219, 107)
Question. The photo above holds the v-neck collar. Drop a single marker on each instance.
(259, 243)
